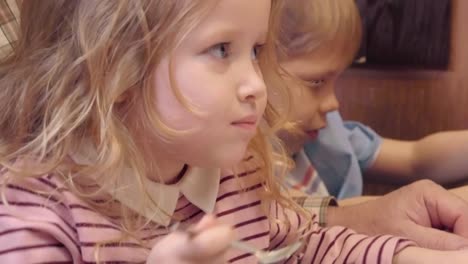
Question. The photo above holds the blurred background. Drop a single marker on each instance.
(406, 96)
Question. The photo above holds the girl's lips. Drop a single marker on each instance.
(313, 134)
(246, 125)
(249, 122)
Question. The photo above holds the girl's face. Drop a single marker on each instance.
(316, 97)
(217, 72)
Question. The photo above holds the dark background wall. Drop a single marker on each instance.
(410, 33)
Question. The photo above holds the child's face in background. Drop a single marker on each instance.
(216, 70)
(313, 99)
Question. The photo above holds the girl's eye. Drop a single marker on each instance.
(256, 51)
(316, 83)
(220, 50)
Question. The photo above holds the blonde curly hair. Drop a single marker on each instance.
(62, 87)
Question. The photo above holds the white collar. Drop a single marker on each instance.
(199, 185)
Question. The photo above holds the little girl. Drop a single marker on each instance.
(121, 120)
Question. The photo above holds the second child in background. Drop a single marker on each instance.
(319, 39)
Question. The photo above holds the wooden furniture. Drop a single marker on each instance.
(409, 104)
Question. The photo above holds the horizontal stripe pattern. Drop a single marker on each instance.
(45, 223)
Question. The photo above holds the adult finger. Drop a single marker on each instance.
(447, 210)
(435, 239)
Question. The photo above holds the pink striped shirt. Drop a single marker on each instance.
(46, 223)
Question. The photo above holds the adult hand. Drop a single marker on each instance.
(423, 211)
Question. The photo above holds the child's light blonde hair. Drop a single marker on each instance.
(64, 84)
(311, 25)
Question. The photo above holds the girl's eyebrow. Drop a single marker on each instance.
(218, 32)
